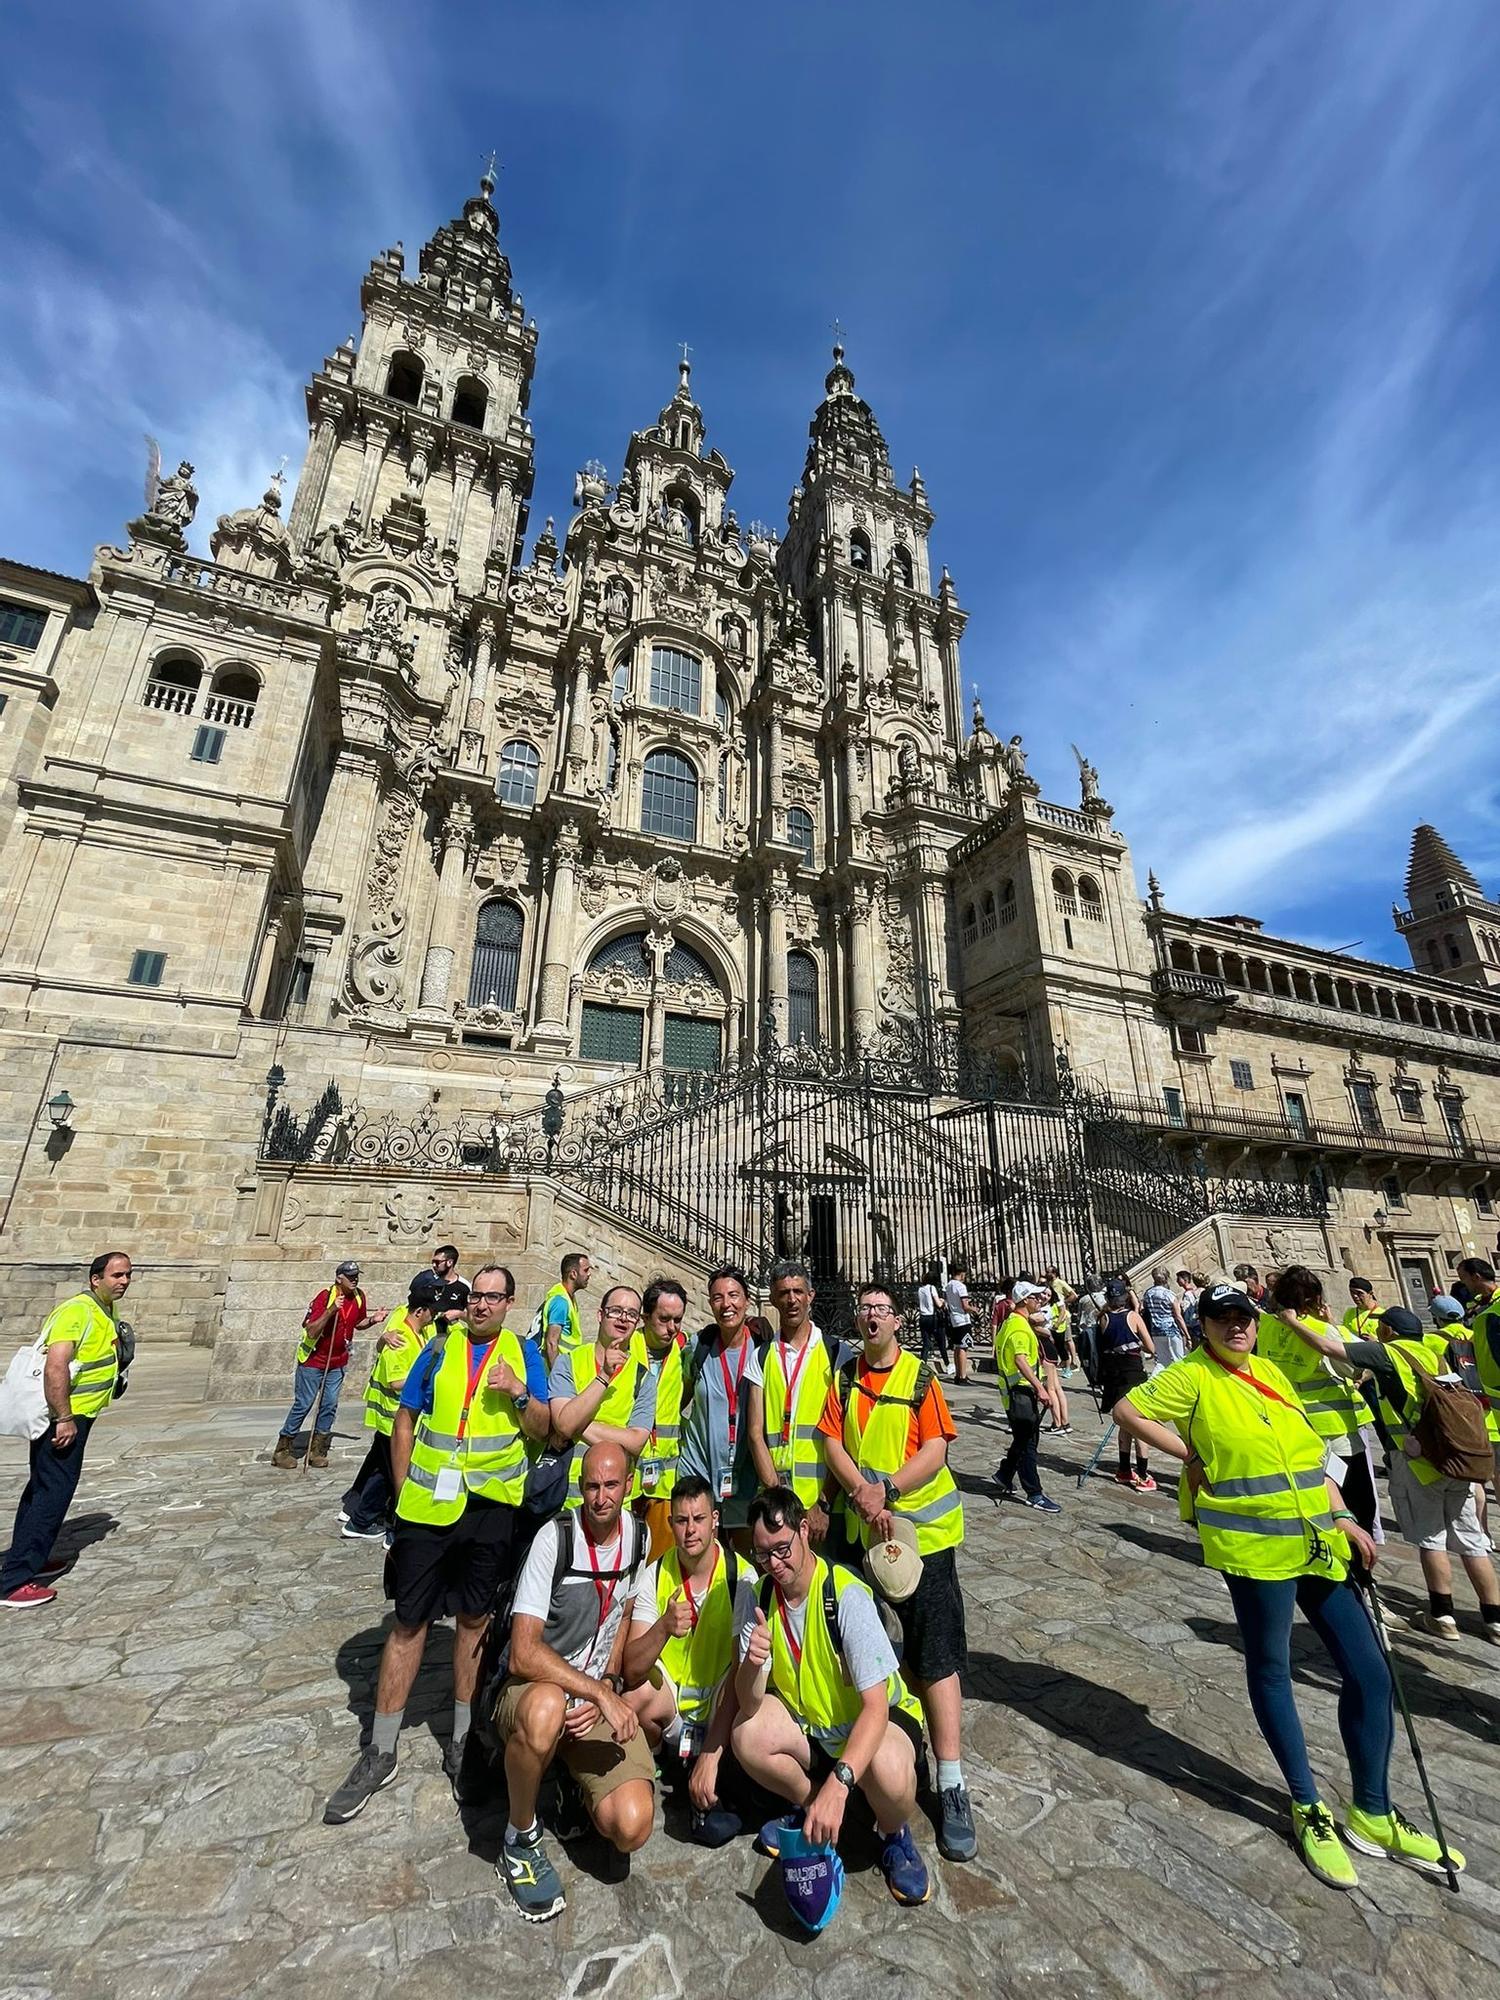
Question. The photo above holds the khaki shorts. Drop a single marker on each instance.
(597, 1764)
(1437, 1517)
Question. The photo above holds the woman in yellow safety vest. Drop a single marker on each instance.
(1292, 1320)
(1273, 1522)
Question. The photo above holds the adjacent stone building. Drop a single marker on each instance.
(372, 796)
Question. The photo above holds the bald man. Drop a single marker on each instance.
(562, 1693)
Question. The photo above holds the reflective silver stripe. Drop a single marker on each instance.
(1255, 1524)
(437, 1440)
(420, 1476)
(88, 1368)
(668, 1433)
(1306, 1481)
(934, 1510)
(1329, 1402)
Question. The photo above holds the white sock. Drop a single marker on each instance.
(950, 1772)
(514, 1833)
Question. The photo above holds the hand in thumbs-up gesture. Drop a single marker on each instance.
(678, 1616)
(758, 1651)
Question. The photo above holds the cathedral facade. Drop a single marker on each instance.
(373, 796)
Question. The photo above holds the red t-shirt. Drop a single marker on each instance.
(336, 1341)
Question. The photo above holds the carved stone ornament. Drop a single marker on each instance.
(667, 893)
(410, 1212)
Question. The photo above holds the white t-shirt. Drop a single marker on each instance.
(584, 1626)
(867, 1651)
(927, 1301)
(957, 1293)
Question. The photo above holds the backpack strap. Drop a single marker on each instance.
(694, 1363)
(831, 1345)
(731, 1573)
(766, 1588)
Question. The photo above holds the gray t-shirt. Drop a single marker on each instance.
(956, 1294)
(642, 1409)
(868, 1656)
(576, 1624)
(704, 1447)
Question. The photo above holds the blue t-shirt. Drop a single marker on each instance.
(416, 1391)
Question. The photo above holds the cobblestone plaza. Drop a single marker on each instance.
(172, 1726)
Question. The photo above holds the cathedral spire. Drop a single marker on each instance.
(1434, 870)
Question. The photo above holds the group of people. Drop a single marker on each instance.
(724, 1560)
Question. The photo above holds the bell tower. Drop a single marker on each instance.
(1451, 927)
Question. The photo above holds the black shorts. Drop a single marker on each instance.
(457, 1570)
(1119, 1380)
(822, 1761)
(934, 1643)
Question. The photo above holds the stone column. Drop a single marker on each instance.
(934, 907)
(265, 965)
(465, 467)
(377, 439)
(774, 827)
(476, 708)
(853, 805)
(455, 843)
(551, 1029)
(578, 725)
(861, 966)
(503, 526)
(777, 904)
(314, 481)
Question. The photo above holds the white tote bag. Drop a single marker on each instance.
(23, 1401)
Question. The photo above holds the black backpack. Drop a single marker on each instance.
(921, 1383)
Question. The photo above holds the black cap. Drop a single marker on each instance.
(1219, 1301)
(426, 1289)
(1402, 1322)
(455, 1297)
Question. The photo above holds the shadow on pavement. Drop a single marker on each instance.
(357, 1663)
(1121, 1730)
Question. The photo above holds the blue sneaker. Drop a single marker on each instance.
(768, 1840)
(716, 1827)
(1043, 1505)
(903, 1868)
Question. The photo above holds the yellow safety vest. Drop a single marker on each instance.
(1409, 1355)
(798, 1449)
(309, 1341)
(96, 1350)
(875, 1437)
(490, 1456)
(816, 1689)
(1017, 1336)
(698, 1662)
(619, 1401)
(392, 1366)
(656, 1471)
(574, 1335)
(1268, 1515)
(1334, 1408)
(1360, 1325)
(1487, 1321)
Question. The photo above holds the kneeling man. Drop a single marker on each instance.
(821, 1705)
(681, 1648)
(562, 1694)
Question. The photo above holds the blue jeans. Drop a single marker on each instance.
(44, 1504)
(305, 1393)
(1337, 1613)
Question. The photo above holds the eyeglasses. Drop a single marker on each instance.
(763, 1558)
(625, 1315)
(873, 1311)
(489, 1298)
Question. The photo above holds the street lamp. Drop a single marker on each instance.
(60, 1110)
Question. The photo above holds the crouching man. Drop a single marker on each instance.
(822, 1708)
(681, 1648)
(561, 1697)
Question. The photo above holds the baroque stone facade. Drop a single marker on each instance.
(373, 795)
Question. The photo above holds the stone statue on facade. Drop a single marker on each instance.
(908, 764)
(678, 526)
(1014, 758)
(176, 499)
(332, 545)
(1090, 800)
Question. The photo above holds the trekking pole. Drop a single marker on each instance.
(317, 1408)
(1378, 1614)
(1099, 1453)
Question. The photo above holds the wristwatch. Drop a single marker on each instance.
(519, 1403)
(844, 1775)
(891, 1495)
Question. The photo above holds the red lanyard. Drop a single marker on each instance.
(687, 1588)
(732, 1386)
(791, 1380)
(1244, 1375)
(606, 1597)
(469, 1394)
(787, 1633)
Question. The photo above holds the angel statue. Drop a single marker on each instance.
(1088, 781)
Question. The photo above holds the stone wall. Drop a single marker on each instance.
(166, 1302)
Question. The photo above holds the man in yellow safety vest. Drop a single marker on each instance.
(797, 1371)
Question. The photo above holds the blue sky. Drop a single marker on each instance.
(1187, 313)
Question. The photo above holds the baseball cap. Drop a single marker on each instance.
(1021, 1291)
(348, 1269)
(1402, 1322)
(1445, 1309)
(1219, 1301)
(455, 1298)
(894, 1566)
(425, 1289)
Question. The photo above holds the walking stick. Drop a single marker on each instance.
(1103, 1442)
(317, 1408)
(1378, 1614)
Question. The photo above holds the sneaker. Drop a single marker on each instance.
(716, 1827)
(1393, 1835)
(1124, 1479)
(957, 1840)
(535, 1886)
(1144, 1483)
(1064, 1430)
(768, 1840)
(1491, 1630)
(904, 1870)
(464, 1771)
(343, 1515)
(1007, 1486)
(1042, 1504)
(55, 1566)
(1437, 1623)
(373, 1771)
(29, 1597)
(349, 1533)
(1317, 1841)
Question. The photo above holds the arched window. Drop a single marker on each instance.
(669, 796)
(1435, 957)
(987, 917)
(901, 564)
(520, 768)
(619, 685)
(232, 697)
(470, 401)
(799, 831)
(676, 680)
(403, 382)
(1090, 899)
(1450, 945)
(859, 550)
(1062, 890)
(801, 997)
(497, 956)
(970, 924)
(684, 965)
(1007, 895)
(721, 705)
(174, 683)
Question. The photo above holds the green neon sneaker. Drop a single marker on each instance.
(1317, 1840)
(1393, 1835)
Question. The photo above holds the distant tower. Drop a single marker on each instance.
(1451, 927)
